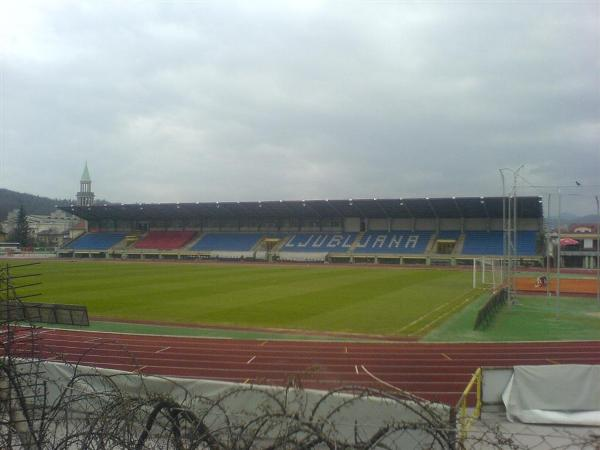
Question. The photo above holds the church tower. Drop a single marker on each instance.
(85, 196)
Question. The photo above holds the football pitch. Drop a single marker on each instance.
(376, 301)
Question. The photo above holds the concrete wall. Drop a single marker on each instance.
(493, 384)
(346, 414)
(352, 224)
(476, 224)
(528, 225)
(450, 224)
(402, 224)
(426, 224)
(379, 224)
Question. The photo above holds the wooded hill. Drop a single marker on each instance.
(33, 204)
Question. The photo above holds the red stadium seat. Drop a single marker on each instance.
(165, 240)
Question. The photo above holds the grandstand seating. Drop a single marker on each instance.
(483, 243)
(319, 242)
(96, 241)
(237, 242)
(413, 242)
(165, 240)
(491, 243)
(526, 243)
(370, 242)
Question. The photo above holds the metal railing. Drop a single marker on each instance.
(464, 417)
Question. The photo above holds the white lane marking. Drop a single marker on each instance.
(391, 386)
(93, 340)
(356, 369)
(25, 336)
(162, 349)
(251, 359)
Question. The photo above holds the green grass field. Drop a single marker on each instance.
(382, 301)
(532, 318)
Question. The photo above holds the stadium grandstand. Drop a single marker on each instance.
(440, 231)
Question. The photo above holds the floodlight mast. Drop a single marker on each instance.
(509, 229)
(504, 244)
(598, 249)
(558, 256)
(549, 249)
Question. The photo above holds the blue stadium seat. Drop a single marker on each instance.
(319, 242)
(490, 243)
(394, 242)
(96, 241)
(526, 243)
(241, 242)
(483, 243)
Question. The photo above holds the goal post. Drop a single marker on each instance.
(487, 272)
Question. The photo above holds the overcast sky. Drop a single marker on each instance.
(233, 101)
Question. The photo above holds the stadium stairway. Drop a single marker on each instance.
(358, 239)
(429, 249)
(130, 241)
(189, 245)
(280, 245)
(460, 243)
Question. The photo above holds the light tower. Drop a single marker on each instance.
(85, 196)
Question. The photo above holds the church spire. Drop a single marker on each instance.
(85, 196)
(85, 176)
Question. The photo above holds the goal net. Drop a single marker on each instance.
(488, 272)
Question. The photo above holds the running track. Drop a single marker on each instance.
(433, 371)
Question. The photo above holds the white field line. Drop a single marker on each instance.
(429, 313)
(422, 317)
(162, 349)
(251, 359)
(437, 319)
(356, 369)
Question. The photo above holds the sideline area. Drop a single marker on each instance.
(201, 332)
(531, 318)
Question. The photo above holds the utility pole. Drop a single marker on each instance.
(558, 259)
(510, 227)
(598, 250)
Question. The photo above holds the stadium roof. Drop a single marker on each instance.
(454, 207)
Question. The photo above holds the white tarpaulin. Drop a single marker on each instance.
(566, 394)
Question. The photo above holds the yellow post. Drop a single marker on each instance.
(464, 421)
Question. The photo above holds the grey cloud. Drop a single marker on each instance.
(226, 101)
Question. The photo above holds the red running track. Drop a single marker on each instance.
(434, 371)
